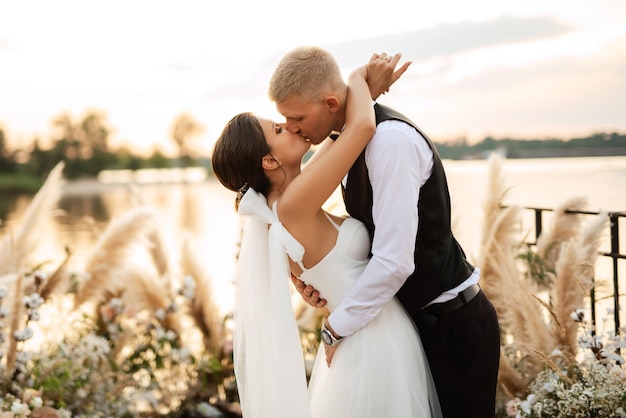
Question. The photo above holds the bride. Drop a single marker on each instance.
(374, 372)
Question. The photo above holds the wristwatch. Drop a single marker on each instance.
(327, 336)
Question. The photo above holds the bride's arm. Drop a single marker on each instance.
(307, 193)
(380, 77)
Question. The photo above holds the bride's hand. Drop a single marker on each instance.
(308, 293)
(381, 72)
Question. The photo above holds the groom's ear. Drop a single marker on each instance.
(332, 103)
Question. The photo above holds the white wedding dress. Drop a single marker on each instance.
(379, 371)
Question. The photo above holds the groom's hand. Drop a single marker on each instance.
(308, 293)
(330, 353)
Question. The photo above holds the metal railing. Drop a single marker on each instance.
(614, 254)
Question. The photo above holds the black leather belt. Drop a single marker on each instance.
(444, 308)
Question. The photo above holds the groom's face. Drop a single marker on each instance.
(312, 120)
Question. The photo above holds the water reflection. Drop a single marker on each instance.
(202, 213)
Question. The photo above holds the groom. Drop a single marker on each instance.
(398, 189)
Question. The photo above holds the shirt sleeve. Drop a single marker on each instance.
(399, 161)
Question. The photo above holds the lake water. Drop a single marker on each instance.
(204, 212)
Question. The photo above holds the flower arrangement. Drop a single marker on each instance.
(129, 336)
(593, 386)
(552, 364)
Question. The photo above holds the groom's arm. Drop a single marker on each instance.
(398, 165)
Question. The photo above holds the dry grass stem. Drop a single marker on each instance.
(564, 226)
(55, 279)
(204, 311)
(574, 278)
(122, 257)
(16, 316)
(548, 361)
(22, 240)
(558, 330)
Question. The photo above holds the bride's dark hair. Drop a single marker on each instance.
(238, 154)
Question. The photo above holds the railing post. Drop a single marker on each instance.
(614, 256)
(538, 225)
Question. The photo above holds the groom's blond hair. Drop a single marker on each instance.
(309, 72)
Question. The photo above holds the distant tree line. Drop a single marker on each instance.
(83, 144)
(593, 145)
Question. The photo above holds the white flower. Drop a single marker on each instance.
(18, 407)
(189, 293)
(578, 315)
(112, 329)
(548, 387)
(33, 301)
(618, 372)
(23, 335)
(95, 344)
(160, 333)
(3, 290)
(160, 314)
(188, 281)
(22, 357)
(612, 356)
(4, 312)
(511, 407)
(527, 404)
(117, 304)
(184, 353)
(41, 274)
(34, 316)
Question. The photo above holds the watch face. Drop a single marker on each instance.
(326, 337)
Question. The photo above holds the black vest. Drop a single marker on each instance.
(440, 262)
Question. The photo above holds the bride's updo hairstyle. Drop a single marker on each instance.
(238, 154)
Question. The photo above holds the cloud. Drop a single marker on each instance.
(450, 38)
(564, 89)
(418, 45)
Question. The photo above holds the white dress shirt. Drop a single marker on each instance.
(399, 161)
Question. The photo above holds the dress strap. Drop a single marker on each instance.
(332, 222)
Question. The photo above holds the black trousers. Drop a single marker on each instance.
(463, 351)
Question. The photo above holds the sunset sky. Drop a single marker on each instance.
(533, 68)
